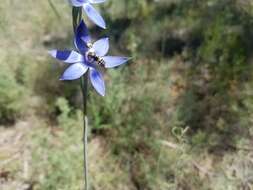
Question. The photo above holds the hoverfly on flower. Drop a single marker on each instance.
(88, 58)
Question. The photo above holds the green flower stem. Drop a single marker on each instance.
(77, 16)
(84, 88)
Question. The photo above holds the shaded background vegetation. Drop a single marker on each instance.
(178, 116)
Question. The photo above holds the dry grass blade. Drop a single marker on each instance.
(54, 9)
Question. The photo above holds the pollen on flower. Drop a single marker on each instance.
(89, 45)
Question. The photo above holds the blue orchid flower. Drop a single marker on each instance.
(90, 57)
(90, 10)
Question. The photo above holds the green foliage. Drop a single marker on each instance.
(57, 156)
(64, 109)
(11, 96)
(215, 79)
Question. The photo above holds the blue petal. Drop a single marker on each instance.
(97, 81)
(78, 3)
(67, 56)
(101, 46)
(94, 15)
(97, 1)
(74, 71)
(114, 61)
(82, 37)
(83, 32)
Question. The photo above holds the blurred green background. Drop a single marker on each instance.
(177, 117)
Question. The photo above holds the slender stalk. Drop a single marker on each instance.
(84, 88)
(77, 16)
